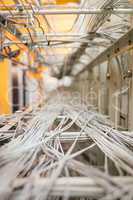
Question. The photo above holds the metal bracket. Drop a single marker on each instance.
(128, 74)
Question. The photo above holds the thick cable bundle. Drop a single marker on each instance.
(53, 157)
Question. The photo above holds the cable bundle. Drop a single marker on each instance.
(67, 150)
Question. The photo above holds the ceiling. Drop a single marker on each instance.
(62, 42)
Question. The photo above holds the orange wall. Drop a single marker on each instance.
(5, 107)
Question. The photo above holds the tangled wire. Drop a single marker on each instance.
(66, 151)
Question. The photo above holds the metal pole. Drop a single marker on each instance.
(24, 88)
(70, 11)
(58, 35)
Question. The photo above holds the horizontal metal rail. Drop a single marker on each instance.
(57, 35)
(43, 11)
